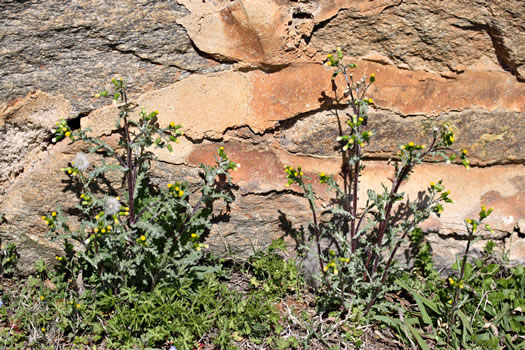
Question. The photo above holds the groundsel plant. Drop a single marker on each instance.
(146, 234)
(458, 285)
(364, 236)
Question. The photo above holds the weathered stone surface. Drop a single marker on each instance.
(260, 100)
(268, 32)
(414, 34)
(515, 245)
(490, 137)
(26, 126)
(75, 47)
(438, 36)
(261, 176)
(37, 191)
(460, 62)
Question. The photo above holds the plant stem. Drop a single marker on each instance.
(457, 290)
(317, 234)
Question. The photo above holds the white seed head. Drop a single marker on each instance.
(81, 161)
(111, 205)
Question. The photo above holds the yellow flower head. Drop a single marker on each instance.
(322, 174)
(142, 238)
(103, 230)
(42, 298)
(172, 124)
(411, 144)
(53, 214)
(78, 306)
(432, 184)
(451, 281)
(181, 193)
(43, 329)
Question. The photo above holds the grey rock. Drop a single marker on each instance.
(74, 47)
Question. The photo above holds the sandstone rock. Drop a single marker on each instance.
(460, 63)
(515, 245)
(490, 137)
(36, 192)
(435, 36)
(26, 126)
(497, 186)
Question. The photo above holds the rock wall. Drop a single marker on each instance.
(248, 74)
